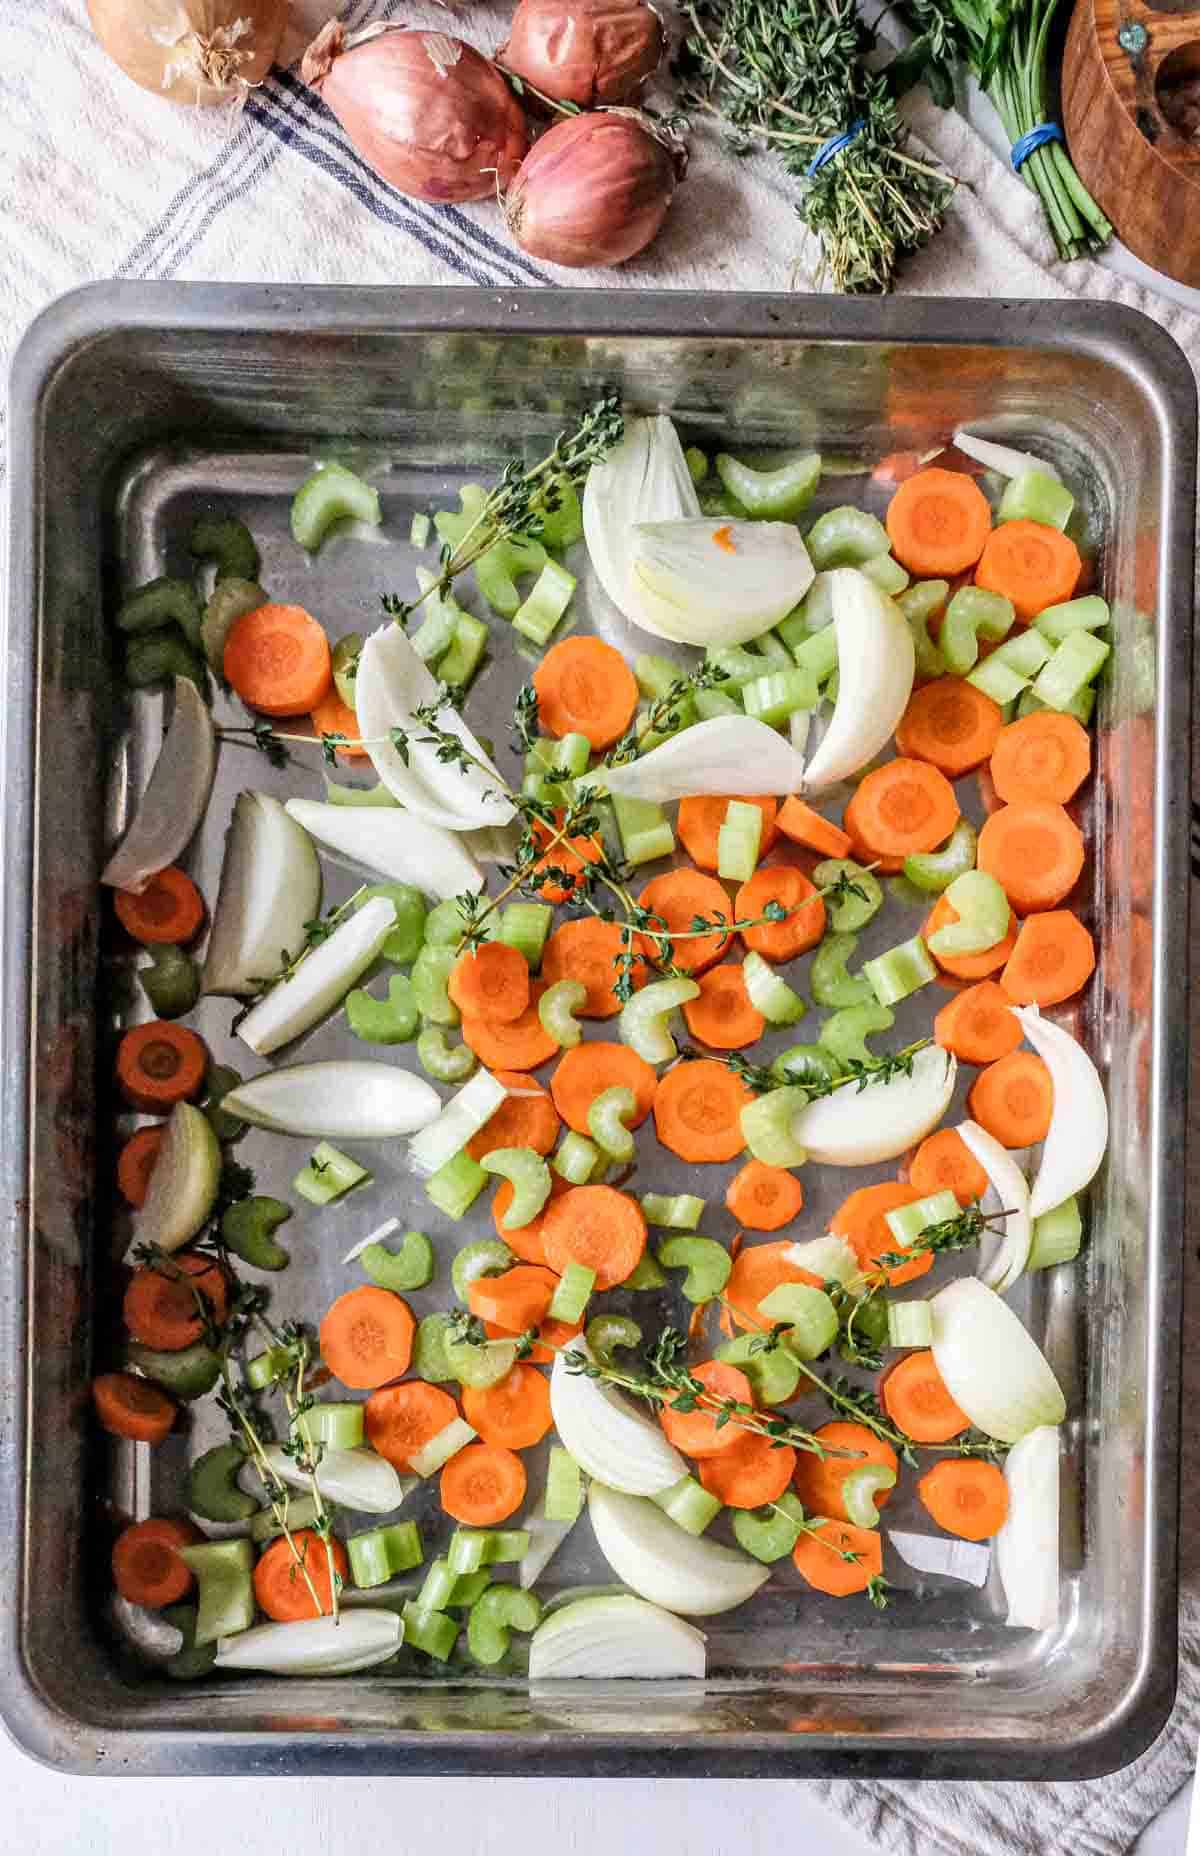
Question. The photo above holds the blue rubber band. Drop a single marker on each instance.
(834, 146)
(1032, 140)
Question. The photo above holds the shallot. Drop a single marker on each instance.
(584, 51)
(595, 189)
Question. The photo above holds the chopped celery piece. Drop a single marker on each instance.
(859, 1489)
(431, 1632)
(1035, 496)
(773, 1372)
(711, 703)
(849, 912)
(682, 1212)
(845, 1034)
(718, 502)
(410, 1267)
(212, 1486)
(846, 537)
(445, 1062)
(697, 463)
(972, 613)
(645, 1274)
(299, 1511)
(501, 1609)
(605, 1333)
(444, 924)
(739, 665)
(794, 629)
(190, 1661)
(328, 496)
(778, 495)
(229, 601)
(810, 1314)
(983, 915)
(643, 1022)
(438, 1585)
(1004, 674)
(345, 656)
(473, 1547)
(468, 1587)
(435, 634)
(429, 1359)
(806, 1064)
(918, 604)
(525, 926)
(656, 677)
(466, 651)
(1081, 707)
(1076, 661)
(769, 994)
(268, 1368)
(688, 1504)
(909, 1324)
(430, 977)
(578, 1160)
(564, 1486)
(1057, 1235)
(328, 1175)
(160, 602)
(681, 715)
(887, 574)
(171, 983)
(562, 517)
(496, 572)
(571, 1296)
(456, 1435)
(905, 894)
(738, 839)
(816, 607)
(934, 871)
(767, 1127)
(645, 830)
(337, 1425)
(248, 1228)
(419, 529)
(455, 1186)
(869, 1324)
(186, 1373)
(780, 693)
(900, 970)
(1072, 615)
(556, 1011)
(223, 1570)
(529, 1177)
(817, 655)
(486, 1257)
(220, 1081)
(153, 657)
(708, 1265)
(831, 983)
(907, 1222)
(774, 649)
(540, 613)
(383, 1552)
(406, 937)
(770, 1533)
(393, 1020)
(608, 1114)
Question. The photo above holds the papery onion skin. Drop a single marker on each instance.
(594, 190)
(431, 114)
(585, 51)
(213, 62)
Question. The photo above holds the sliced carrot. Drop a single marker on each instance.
(751, 1474)
(938, 522)
(861, 1220)
(819, 1557)
(167, 913)
(1053, 959)
(818, 1480)
(367, 1336)
(723, 1017)
(585, 687)
(135, 1163)
(130, 1407)
(277, 660)
(965, 1497)
(676, 899)
(557, 1335)
(332, 716)
(944, 1163)
(280, 1585)
(698, 1111)
(1030, 563)
(787, 886)
(903, 807)
(896, 467)
(950, 724)
(700, 819)
(599, 1227)
(1035, 853)
(559, 873)
(1013, 1099)
(696, 1432)
(515, 1413)
(515, 1300)
(587, 950)
(757, 1269)
(917, 1401)
(968, 966)
(764, 1198)
(525, 1241)
(161, 1310)
(521, 1045)
(146, 1566)
(978, 1024)
(482, 1485)
(1041, 756)
(989, 798)
(805, 826)
(588, 1069)
(522, 1120)
(159, 1064)
(491, 982)
(401, 1420)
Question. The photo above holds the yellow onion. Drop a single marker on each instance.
(595, 189)
(430, 113)
(585, 51)
(191, 51)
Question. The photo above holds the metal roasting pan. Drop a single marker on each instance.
(133, 408)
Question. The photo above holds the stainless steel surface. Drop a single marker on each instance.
(133, 408)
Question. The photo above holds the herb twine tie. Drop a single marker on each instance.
(1033, 139)
(834, 146)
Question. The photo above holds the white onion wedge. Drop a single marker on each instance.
(1002, 1268)
(1000, 458)
(373, 1237)
(658, 1561)
(692, 588)
(1027, 1544)
(643, 479)
(350, 1101)
(854, 1127)
(545, 1538)
(612, 1637)
(351, 1478)
(828, 1257)
(464, 1115)
(394, 844)
(876, 661)
(1077, 1138)
(609, 1437)
(176, 794)
(992, 1366)
(315, 1646)
(270, 888)
(709, 757)
(183, 1182)
(946, 1558)
(321, 980)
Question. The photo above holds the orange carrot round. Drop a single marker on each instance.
(818, 1480)
(482, 1485)
(585, 1071)
(585, 687)
(700, 819)
(723, 1017)
(698, 1111)
(751, 1474)
(676, 899)
(944, 1163)
(696, 1432)
(130, 1407)
(161, 1311)
(1041, 756)
(522, 1044)
(401, 1420)
(938, 522)
(901, 808)
(968, 966)
(818, 1557)
(1030, 563)
(146, 1566)
(807, 827)
(788, 886)
(491, 982)
(525, 1241)
(367, 1336)
(763, 1198)
(757, 1269)
(515, 1300)
(561, 867)
(135, 1164)
(1035, 853)
(915, 1398)
(587, 950)
(965, 1497)
(977, 1024)
(1054, 958)
(159, 1064)
(1013, 1099)
(332, 716)
(861, 1220)
(167, 913)
(599, 1227)
(280, 1586)
(514, 1413)
(277, 660)
(950, 724)
(522, 1120)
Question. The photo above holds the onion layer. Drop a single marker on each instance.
(348, 1100)
(645, 478)
(610, 1438)
(315, 1646)
(611, 1637)
(191, 51)
(1078, 1134)
(708, 757)
(1001, 1269)
(270, 888)
(1027, 1544)
(993, 1368)
(854, 1127)
(662, 1563)
(585, 51)
(595, 189)
(394, 843)
(175, 797)
(876, 662)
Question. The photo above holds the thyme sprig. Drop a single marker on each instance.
(882, 1069)
(664, 717)
(877, 1586)
(315, 931)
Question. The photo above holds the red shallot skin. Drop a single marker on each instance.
(594, 190)
(585, 51)
(432, 116)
